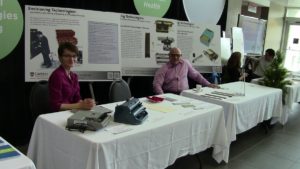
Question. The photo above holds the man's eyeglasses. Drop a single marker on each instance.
(175, 55)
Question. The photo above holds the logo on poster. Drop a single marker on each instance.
(11, 25)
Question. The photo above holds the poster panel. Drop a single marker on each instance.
(254, 30)
(225, 50)
(110, 42)
(146, 42)
(96, 34)
(200, 43)
(238, 42)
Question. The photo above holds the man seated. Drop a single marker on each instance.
(263, 63)
(172, 77)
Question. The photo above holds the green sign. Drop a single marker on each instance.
(156, 8)
(11, 26)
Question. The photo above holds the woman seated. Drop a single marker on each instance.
(232, 71)
(64, 87)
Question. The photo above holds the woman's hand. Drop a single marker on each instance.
(87, 104)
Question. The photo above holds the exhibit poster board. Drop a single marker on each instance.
(145, 43)
(113, 44)
(200, 43)
(225, 50)
(238, 42)
(254, 31)
(96, 34)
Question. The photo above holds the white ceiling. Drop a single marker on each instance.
(288, 3)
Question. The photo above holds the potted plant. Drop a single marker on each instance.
(275, 76)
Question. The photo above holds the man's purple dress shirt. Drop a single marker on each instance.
(62, 89)
(174, 78)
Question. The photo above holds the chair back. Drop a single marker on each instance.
(119, 91)
(39, 99)
(225, 76)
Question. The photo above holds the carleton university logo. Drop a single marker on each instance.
(31, 74)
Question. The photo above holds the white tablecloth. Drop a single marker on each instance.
(17, 162)
(243, 112)
(292, 96)
(293, 93)
(156, 144)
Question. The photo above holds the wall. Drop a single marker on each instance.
(274, 26)
(261, 12)
(261, 2)
(234, 9)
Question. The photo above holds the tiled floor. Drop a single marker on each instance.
(278, 149)
(254, 149)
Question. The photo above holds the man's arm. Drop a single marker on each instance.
(196, 76)
(159, 80)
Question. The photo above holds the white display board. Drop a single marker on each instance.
(254, 34)
(200, 43)
(225, 50)
(238, 42)
(96, 34)
(111, 43)
(146, 42)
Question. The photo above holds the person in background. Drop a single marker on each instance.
(45, 50)
(232, 71)
(263, 63)
(64, 87)
(172, 77)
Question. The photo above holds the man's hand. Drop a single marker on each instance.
(211, 85)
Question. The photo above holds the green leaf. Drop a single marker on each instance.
(275, 76)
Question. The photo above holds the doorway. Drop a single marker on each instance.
(292, 45)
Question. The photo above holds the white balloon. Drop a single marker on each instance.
(204, 11)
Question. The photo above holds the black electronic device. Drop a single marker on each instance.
(130, 112)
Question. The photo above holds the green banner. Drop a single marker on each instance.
(11, 26)
(157, 8)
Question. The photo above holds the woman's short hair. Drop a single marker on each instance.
(66, 45)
